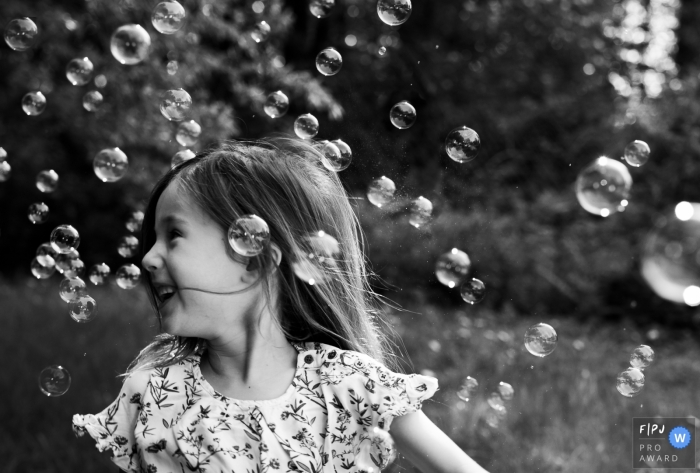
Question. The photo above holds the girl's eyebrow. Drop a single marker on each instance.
(173, 219)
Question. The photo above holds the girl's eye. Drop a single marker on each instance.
(174, 234)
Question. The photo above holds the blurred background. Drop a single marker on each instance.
(549, 86)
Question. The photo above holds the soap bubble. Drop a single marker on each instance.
(5, 171)
(382, 51)
(381, 191)
(110, 164)
(541, 339)
(603, 187)
(20, 34)
(249, 235)
(45, 249)
(452, 268)
(92, 101)
(181, 157)
(135, 221)
(306, 126)
(47, 181)
(402, 115)
(642, 356)
(75, 269)
(468, 388)
(100, 81)
(317, 258)
(54, 380)
(506, 391)
(176, 104)
(33, 103)
(329, 61)
(128, 246)
(128, 276)
(321, 8)
(3, 154)
(38, 212)
(130, 44)
(260, 32)
(421, 212)
(496, 402)
(64, 239)
(345, 155)
(79, 71)
(336, 155)
(83, 309)
(671, 254)
(188, 133)
(98, 274)
(382, 448)
(276, 104)
(472, 291)
(168, 17)
(43, 267)
(637, 153)
(462, 144)
(64, 260)
(72, 289)
(172, 67)
(630, 382)
(394, 12)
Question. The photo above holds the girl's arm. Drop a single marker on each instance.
(428, 447)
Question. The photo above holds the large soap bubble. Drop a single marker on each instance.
(277, 104)
(421, 212)
(402, 115)
(130, 44)
(394, 12)
(329, 61)
(603, 187)
(630, 382)
(175, 104)
(317, 260)
(128, 246)
(20, 34)
(43, 267)
(452, 268)
(54, 380)
(641, 357)
(79, 71)
(637, 153)
(321, 8)
(65, 239)
(468, 388)
(110, 164)
(472, 291)
(249, 235)
(381, 191)
(83, 309)
(128, 276)
(670, 261)
(71, 289)
(168, 17)
(541, 339)
(34, 103)
(306, 126)
(188, 133)
(38, 212)
(99, 273)
(462, 144)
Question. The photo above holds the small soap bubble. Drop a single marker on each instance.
(128, 276)
(468, 388)
(321, 8)
(3, 155)
(38, 212)
(54, 380)
(382, 51)
(45, 249)
(64, 260)
(642, 356)
(43, 267)
(541, 339)
(168, 17)
(72, 289)
(128, 246)
(402, 115)
(75, 269)
(92, 101)
(329, 61)
(316, 260)
(33, 103)
(181, 157)
(130, 44)
(472, 291)
(110, 164)
(64, 239)
(421, 212)
(452, 268)
(637, 153)
(249, 235)
(188, 133)
(604, 186)
(381, 191)
(83, 309)
(506, 391)
(47, 181)
(260, 32)
(276, 104)
(172, 67)
(21, 33)
(79, 71)
(394, 12)
(99, 273)
(176, 104)
(5, 171)
(496, 402)
(133, 224)
(306, 126)
(382, 447)
(100, 81)
(345, 155)
(462, 144)
(630, 382)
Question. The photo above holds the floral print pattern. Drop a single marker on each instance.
(169, 420)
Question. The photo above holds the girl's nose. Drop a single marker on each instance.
(150, 261)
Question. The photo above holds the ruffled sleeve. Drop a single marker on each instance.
(114, 428)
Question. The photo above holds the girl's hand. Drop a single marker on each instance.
(428, 447)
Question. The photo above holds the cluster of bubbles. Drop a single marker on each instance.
(631, 381)
(498, 400)
(452, 269)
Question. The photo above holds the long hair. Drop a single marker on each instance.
(283, 181)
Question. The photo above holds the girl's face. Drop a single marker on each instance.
(190, 252)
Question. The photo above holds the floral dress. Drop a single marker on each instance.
(171, 420)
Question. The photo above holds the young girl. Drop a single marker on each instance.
(256, 369)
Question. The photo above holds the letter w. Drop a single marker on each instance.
(679, 438)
